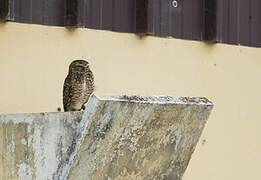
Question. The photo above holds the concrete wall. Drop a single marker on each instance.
(34, 61)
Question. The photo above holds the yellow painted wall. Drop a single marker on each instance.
(34, 61)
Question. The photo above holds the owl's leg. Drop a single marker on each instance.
(83, 107)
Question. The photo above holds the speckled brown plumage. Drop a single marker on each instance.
(78, 86)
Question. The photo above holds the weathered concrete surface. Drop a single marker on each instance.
(34, 146)
(137, 138)
(125, 137)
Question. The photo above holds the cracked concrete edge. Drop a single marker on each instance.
(65, 168)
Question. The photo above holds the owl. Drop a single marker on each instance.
(78, 86)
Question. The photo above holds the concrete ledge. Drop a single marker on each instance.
(120, 137)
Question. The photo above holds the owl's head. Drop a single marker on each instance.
(81, 66)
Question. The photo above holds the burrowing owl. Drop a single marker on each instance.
(78, 86)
